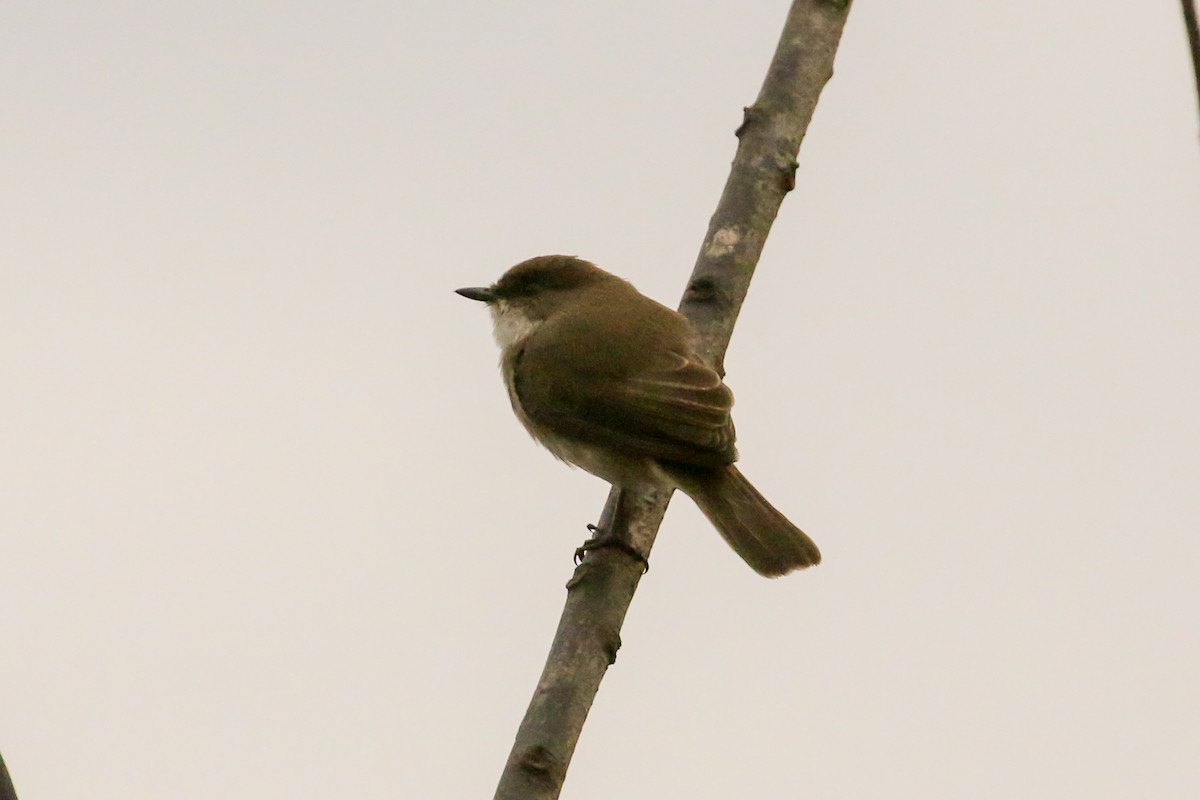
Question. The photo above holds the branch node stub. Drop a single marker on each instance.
(582, 570)
(789, 175)
(540, 762)
(750, 114)
(702, 290)
(611, 645)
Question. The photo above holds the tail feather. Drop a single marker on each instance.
(757, 532)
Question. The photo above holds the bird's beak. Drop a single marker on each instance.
(481, 293)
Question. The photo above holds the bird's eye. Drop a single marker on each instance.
(519, 288)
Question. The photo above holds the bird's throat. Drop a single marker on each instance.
(510, 324)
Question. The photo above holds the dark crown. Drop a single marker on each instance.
(548, 272)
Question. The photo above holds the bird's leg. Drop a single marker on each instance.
(613, 534)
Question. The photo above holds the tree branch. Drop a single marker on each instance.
(599, 593)
(7, 792)
(1193, 34)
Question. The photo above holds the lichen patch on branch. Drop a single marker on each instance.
(723, 242)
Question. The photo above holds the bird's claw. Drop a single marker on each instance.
(602, 540)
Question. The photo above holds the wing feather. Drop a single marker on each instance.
(674, 408)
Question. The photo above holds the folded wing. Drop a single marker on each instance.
(671, 406)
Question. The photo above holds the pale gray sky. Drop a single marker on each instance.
(270, 530)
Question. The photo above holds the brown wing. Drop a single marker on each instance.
(671, 406)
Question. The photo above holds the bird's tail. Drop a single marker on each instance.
(762, 536)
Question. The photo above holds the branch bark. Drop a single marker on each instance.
(600, 591)
(7, 792)
(1193, 34)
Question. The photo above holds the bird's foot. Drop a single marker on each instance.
(603, 539)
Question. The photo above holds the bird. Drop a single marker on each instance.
(609, 380)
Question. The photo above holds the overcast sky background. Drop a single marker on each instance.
(268, 527)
